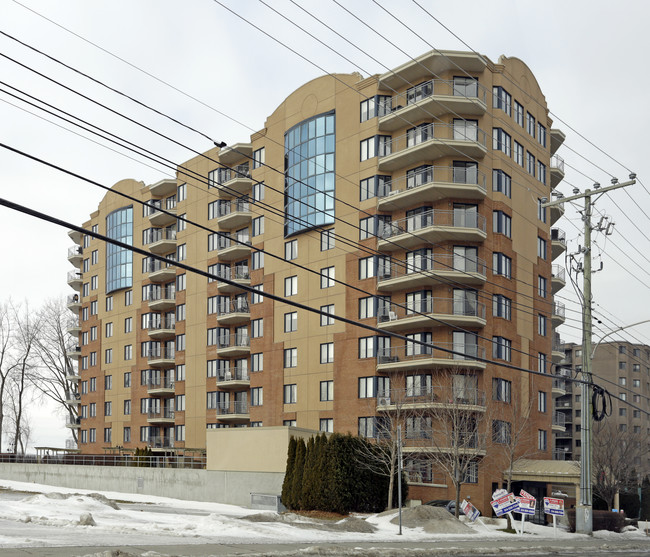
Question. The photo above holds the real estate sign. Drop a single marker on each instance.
(554, 506)
(469, 510)
(504, 504)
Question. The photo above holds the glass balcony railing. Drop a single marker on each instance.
(432, 217)
(469, 88)
(437, 263)
(413, 351)
(462, 131)
(430, 305)
(433, 174)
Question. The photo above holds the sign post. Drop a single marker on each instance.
(554, 507)
(527, 505)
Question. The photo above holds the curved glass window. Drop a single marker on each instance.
(119, 261)
(309, 174)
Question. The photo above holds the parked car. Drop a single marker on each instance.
(445, 503)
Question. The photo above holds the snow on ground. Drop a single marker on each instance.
(50, 516)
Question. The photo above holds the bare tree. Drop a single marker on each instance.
(54, 365)
(616, 460)
(6, 361)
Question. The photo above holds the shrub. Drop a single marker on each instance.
(602, 520)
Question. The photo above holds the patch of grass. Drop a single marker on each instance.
(507, 530)
(322, 515)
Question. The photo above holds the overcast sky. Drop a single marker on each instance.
(588, 57)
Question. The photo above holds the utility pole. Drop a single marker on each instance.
(584, 511)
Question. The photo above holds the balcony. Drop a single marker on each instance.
(158, 442)
(73, 301)
(162, 328)
(431, 312)
(433, 98)
(73, 423)
(557, 138)
(163, 416)
(558, 422)
(431, 184)
(412, 357)
(234, 378)
(75, 280)
(161, 386)
(561, 453)
(72, 375)
(234, 182)
(432, 397)
(557, 170)
(75, 236)
(559, 388)
(163, 188)
(558, 278)
(430, 142)
(233, 345)
(74, 328)
(161, 357)
(233, 214)
(162, 212)
(558, 314)
(231, 154)
(558, 242)
(557, 352)
(75, 255)
(235, 412)
(158, 271)
(563, 405)
(236, 312)
(556, 211)
(429, 271)
(161, 299)
(73, 352)
(73, 399)
(160, 240)
(231, 247)
(238, 274)
(432, 226)
(424, 441)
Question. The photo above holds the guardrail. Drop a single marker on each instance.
(197, 462)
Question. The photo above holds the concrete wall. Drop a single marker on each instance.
(192, 485)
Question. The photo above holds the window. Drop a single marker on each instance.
(501, 306)
(92, 409)
(501, 223)
(326, 320)
(291, 285)
(289, 423)
(622, 349)
(180, 312)
(327, 239)
(501, 182)
(84, 338)
(127, 434)
(471, 475)
(501, 141)
(179, 433)
(622, 381)
(257, 328)
(501, 390)
(85, 290)
(327, 353)
(290, 394)
(636, 367)
(530, 124)
(541, 440)
(636, 383)
(622, 428)
(180, 283)
(128, 324)
(291, 322)
(375, 186)
(542, 286)
(530, 163)
(258, 226)
(109, 330)
(257, 260)
(541, 211)
(326, 425)
(92, 435)
(371, 387)
(622, 412)
(519, 114)
(541, 401)
(84, 314)
(259, 157)
(181, 222)
(291, 250)
(127, 379)
(93, 308)
(541, 325)
(326, 391)
(379, 105)
(327, 277)
(541, 247)
(290, 357)
(128, 352)
(502, 99)
(622, 365)
(369, 347)
(501, 265)
(108, 408)
(541, 172)
(93, 359)
(180, 372)
(501, 432)
(144, 433)
(376, 146)
(257, 362)
(256, 296)
(127, 407)
(501, 348)
(257, 396)
(519, 153)
(94, 257)
(180, 343)
(376, 225)
(108, 356)
(542, 362)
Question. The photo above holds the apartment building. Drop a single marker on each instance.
(624, 370)
(408, 201)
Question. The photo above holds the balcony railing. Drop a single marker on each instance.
(167, 322)
(435, 87)
(225, 240)
(412, 351)
(153, 235)
(442, 262)
(236, 205)
(559, 310)
(154, 383)
(236, 407)
(557, 162)
(73, 422)
(75, 251)
(559, 384)
(166, 353)
(431, 394)
(161, 442)
(155, 294)
(433, 174)
(74, 276)
(428, 132)
(154, 265)
(558, 235)
(237, 272)
(559, 419)
(226, 174)
(163, 414)
(558, 272)
(236, 340)
(235, 373)
(446, 306)
(433, 217)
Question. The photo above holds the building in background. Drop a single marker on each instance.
(415, 196)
